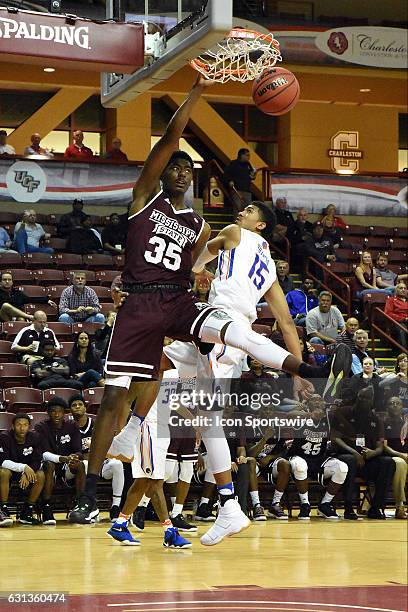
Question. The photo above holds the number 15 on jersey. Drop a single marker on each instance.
(257, 271)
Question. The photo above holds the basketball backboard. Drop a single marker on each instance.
(174, 34)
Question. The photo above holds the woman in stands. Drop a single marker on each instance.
(84, 364)
(396, 385)
(365, 280)
(330, 213)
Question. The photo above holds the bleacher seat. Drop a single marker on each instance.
(106, 277)
(61, 330)
(11, 328)
(90, 277)
(98, 261)
(401, 232)
(264, 330)
(397, 256)
(9, 217)
(6, 420)
(22, 276)
(68, 261)
(66, 348)
(383, 231)
(264, 312)
(103, 293)
(14, 374)
(58, 244)
(38, 260)
(63, 392)
(377, 243)
(119, 261)
(348, 254)
(50, 311)
(37, 417)
(89, 328)
(6, 356)
(339, 268)
(33, 291)
(10, 261)
(49, 277)
(93, 398)
(23, 399)
(55, 292)
(397, 243)
(357, 230)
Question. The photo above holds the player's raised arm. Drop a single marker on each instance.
(159, 156)
(228, 238)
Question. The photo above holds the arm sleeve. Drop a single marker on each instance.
(47, 456)
(13, 465)
(17, 339)
(340, 318)
(310, 323)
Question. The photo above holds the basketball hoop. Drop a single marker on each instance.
(242, 56)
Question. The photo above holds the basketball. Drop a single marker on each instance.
(276, 91)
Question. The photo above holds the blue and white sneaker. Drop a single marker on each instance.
(172, 539)
(121, 533)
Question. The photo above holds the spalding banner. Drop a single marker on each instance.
(70, 42)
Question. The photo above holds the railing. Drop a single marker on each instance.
(340, 283)
(213, 169)
(385, 320)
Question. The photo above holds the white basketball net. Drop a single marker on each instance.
(243, 56)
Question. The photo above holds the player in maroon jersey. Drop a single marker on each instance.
(165, 240)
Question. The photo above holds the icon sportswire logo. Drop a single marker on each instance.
(61, 34)
(26, 180)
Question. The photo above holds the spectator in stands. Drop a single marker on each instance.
(85, 240)
(29, 340)
(386, 278)
(114, 236)
(5, 242)
(79, 303)
(368, 378)
(5, 149)
(36, 149)
(103, 334)
(317, 245)
(358, 440)
(365, 279)
(397, 309)
(396, 446)
(84, 364)
(238, 175)
(282, 272)
(332, 232)
(257, 380)
(112, 469)
(300, 227)
(300, 301)
(12, 300)
(20, 461)
(284, 217)
(72, 220)
(78, 151)
(324, 322)
(50, 371)
(62, 453)
(347, 335)
(396, 384)
(359, 351)
(330, 212)
(28, 234)
(115, 153)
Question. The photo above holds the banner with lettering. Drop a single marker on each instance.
(352, 195)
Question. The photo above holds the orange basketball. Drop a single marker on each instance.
(276, 91)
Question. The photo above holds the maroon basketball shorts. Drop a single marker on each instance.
(182, 445)
(141, 325)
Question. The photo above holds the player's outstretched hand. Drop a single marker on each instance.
(203, 82)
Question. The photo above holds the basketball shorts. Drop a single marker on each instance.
(149, 460)
(141, 325)
(183, 449)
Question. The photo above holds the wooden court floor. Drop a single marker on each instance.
(82, 560)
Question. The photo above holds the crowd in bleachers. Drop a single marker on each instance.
(56, 317)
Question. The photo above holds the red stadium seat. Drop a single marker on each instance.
(33, 291)
(264, 312)
(55, 292)
(6, 419)
(339, 268)
(38, 260)
(119, 261)
(382, 231)
(103, 293)
(397, 243)
(377, 242)
(58, 244)
(348, 254)
(90, 277)
(66, 348)
(397, 256)
(264, 330)
(22, 277)
(98, 262)
(49, 277)
(10, 261)
(61, 330)
(68, 261)
(13, 374)
(23, 399)
(106, 277)
(63, 392)
(6, 356)
(50, 311)
(9, 217)
(89, 328)
(356, 230)
(401, 232)
(11, 328)
(93, 398)
(37, 417)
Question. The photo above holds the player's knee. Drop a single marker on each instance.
(40, 476)
(186, 471)
(112, 398)
(340, 473)
(283, 467)
(299, 468)
(49, 467)
(5, 474)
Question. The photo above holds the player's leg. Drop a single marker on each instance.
(280, 477)
(257, 510)
(186, 470)
(333, 476)
(112, 469)
(27, 514)
(8, 312)
(204, 508)
(5, 518)
(47, 512)
(299, 471)
(349, 486)
(398, 486)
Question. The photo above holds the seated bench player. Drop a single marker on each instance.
(62, 454)
(20, 461)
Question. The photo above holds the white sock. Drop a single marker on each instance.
(116, 500)
(304, 497)
(122, 519)
(277, 496)
(177, 509)
(254, 498)
(204, 500)
(173, 500)
(327, 498)
(144, 502)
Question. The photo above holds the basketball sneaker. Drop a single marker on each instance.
(230, 520)
(258, 513)
(181, 524)
(327, 511)
(47, 515)
(123, 445)
(85, 511)
(121, 533)
(5, 518)
(350, 515)
(339, 370)
(138, 518)
(376, 514)
(114, 513)
(172, 539)
(204, 513)
(304, 514)
(276, 512)
(26, 516)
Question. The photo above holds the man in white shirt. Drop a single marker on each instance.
(324, 322)
(28, 233)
